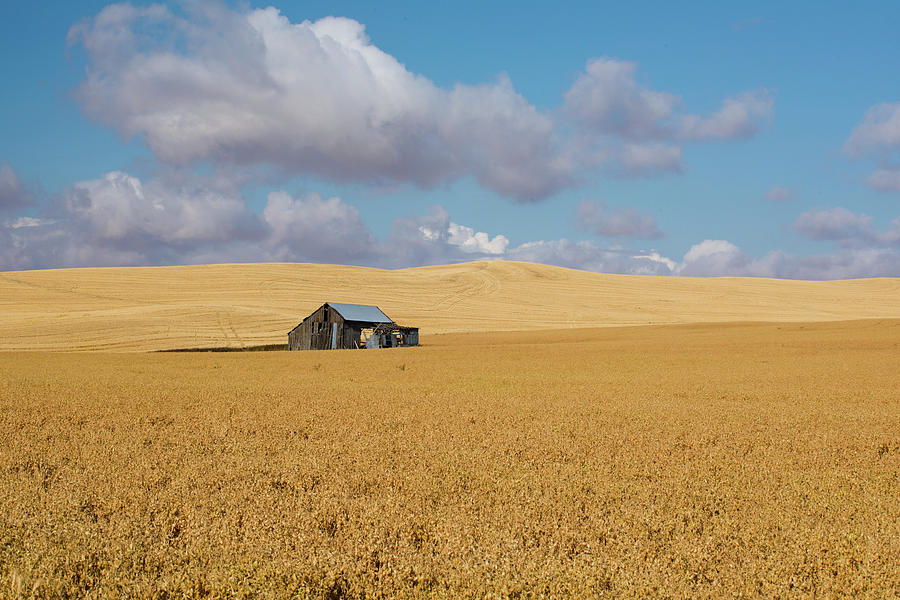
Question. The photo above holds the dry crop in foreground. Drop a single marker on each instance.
(679, 461)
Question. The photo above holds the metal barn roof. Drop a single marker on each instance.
(360, 312)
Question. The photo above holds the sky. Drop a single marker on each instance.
(708, 139)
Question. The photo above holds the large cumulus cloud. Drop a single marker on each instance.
(312, 97)
(251, 87)
(315, 229)
(120, 210)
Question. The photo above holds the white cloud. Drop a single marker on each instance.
(120, 220)
(847, 228)
(834, 224)
(595, 216)
(710, 248)
(650, 158)
(715, 258)
(891, 237)
(435, 239)
(314, 229)
(739, 118)
(313, 97)
(13, 194)
(654, 258)
(251, 88)
(878, 133)
(119, 208)
(421, 240)
(28, 222)
(845, 263)
(608, 100)
(49, 243)
(174, 218)
(709, 258)
(878, 137)
(469, 241)
(868, 254)
(780, 194)
(637, 128)
(591, 257)
(163, 221)
(885, 180)
(329, 230)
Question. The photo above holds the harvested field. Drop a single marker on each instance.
(688, 461)
(213, 306)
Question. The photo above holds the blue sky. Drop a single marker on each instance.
(714, 139)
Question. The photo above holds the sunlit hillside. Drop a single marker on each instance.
(253, 304)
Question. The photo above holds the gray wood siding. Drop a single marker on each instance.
(315, 332)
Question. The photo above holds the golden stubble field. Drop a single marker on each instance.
(157, 308)
(689, 461)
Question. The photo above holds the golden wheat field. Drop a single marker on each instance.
(744, 441)
(680, 461)
(247, 305)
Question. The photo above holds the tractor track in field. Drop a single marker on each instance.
(485, 285)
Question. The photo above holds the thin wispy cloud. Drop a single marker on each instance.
(877, 137)
(13, 193)
(846, 227)
(598, 218)
(607, 99)
(780, 193)
(748, 23)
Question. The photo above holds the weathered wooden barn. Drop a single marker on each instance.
(336, 326)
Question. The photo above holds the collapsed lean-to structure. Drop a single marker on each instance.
(335, 326)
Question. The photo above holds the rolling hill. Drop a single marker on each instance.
(242, 305)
